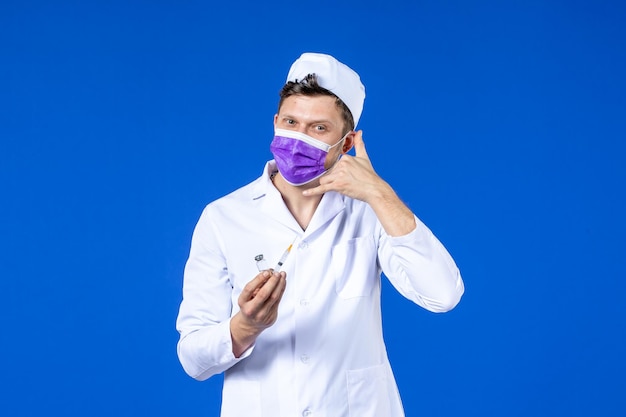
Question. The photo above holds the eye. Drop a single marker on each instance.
(290, 121)
(320, 128)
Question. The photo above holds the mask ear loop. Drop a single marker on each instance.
(340, 154)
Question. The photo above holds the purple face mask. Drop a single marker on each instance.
(299, 157)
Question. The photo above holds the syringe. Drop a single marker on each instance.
(280, 263)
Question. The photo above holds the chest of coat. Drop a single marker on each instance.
(339, 256)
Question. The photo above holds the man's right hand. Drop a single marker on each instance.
(258, 309)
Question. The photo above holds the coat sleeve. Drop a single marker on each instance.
(421, 269)
(205, 344)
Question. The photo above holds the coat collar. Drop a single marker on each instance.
(271, 203)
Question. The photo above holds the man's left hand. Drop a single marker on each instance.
(352, 176)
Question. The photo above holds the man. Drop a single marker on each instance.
(307, 340)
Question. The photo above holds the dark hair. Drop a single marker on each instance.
(308, 86)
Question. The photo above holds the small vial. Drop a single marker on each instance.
(261, 263)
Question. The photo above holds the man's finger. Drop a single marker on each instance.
(251, 289)
(359, 145)
(268, 287)
(319, 190)
(277, 293)
(269, 296)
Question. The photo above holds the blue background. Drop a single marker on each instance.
(501, 124)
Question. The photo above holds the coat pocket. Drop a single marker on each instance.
(354, 265)
(241, 398)
(368, 392)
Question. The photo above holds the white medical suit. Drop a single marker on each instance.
(325, 355)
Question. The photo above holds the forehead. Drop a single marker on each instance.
(310, 108)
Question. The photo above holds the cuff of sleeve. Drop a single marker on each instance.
(227, 340)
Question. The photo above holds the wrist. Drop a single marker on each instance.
(242, 334)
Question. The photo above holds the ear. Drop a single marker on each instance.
(348, 143)
(275, 120)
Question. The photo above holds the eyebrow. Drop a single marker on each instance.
(323, 121)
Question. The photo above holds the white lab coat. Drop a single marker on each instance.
(325, 355)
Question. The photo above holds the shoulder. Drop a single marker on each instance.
(239, 197)
(244, 194)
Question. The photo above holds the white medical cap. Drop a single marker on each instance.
(334, 76)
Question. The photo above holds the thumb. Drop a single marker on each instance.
(359, 145)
